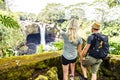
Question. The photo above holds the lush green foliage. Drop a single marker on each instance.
(111, 3)
(113, 31)
(51, 13)
(39, 49)
(58, 45)
(2, 4)
(11, 38)
(115, 48)
(10, 34)
(8, 21)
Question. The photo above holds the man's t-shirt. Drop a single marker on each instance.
(90, 38)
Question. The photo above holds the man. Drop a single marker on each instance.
(89, 60)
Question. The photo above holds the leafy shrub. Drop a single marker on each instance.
(58, 45)
(112, 30)
(8, 21)
(39, 49)
(10, 33)
(114, 48)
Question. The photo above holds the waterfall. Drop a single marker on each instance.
(42, 34)
(46, 37)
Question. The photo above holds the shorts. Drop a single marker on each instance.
(66, 61)
(93, 63)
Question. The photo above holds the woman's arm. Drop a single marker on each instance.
(58, 30)
(80, 51)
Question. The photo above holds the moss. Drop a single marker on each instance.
(41, 77)
(107, 72)
(110, 67)
(115, 66)
(10, 62)
(23, 67)
(79, 71)
(52, 74)
(41, 65)
(16, 73)
(28, 67)
(77, 67)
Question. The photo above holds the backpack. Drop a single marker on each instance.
(99, 46)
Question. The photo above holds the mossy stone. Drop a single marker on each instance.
(42, 77)
(52, 73)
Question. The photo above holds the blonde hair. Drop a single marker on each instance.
(72, 31)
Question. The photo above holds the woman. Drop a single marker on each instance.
(72, 46)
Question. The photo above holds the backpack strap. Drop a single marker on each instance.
(93, 42)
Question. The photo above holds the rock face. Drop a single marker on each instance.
(31, 28)
(32, 41)
(110, 68)
(51, 74)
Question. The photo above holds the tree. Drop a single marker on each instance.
(75, 11)
(2, 4)
(104, 14)
(10, 34)
(8, 4)
(101, 10)
(51, 13)
(22, 15)
(31, 16)
(111, 3)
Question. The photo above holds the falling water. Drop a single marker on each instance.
(42, 34)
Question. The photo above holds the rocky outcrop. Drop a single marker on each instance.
(110, 68)
(28, 67)
(47, 66)
(51, 74)
(32, 28)
(42, 77)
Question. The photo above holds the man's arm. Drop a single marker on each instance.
(85, 49)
